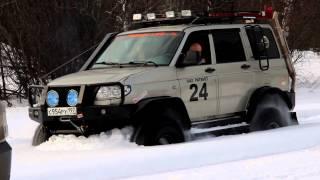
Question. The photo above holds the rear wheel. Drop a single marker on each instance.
(41, 135)
(271, 112)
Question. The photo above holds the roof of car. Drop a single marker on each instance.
(158, 29)
(184, 27)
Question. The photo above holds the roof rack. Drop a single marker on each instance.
(186, 17)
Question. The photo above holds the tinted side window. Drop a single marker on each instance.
(272, 52)
(228, 46)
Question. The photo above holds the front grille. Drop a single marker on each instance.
(63, 92)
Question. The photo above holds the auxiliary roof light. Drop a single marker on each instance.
(269, 12)
(151, 16)
(170, 14)
(137, 17)
(186, 13)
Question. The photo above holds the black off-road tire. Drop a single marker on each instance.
(271, 112)
(162, 131)
(41, 135)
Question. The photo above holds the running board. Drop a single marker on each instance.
(218, 122)
(232, 129)
(217, 127)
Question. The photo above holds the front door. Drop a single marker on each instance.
(198, 80)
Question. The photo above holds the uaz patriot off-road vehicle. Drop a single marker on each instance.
(226, 72)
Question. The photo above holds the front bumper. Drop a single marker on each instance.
(89, 116)
(5, 160)
(95, 118)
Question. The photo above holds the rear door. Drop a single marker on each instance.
(277, 74)
(234, 70)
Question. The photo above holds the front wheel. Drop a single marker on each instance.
(41, 135)
(167, 134)
(159, 133)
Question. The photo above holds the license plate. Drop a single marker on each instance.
(62, 111)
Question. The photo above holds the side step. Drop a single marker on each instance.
(225, 126)
(66, 132)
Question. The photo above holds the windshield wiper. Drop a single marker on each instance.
(107, 63)
(143, 63)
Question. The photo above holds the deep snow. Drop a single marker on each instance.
(288, 153)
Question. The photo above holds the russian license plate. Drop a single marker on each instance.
(62, 111)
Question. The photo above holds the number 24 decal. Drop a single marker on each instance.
(202, 94)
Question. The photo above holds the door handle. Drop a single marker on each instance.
(210, 70)
(245, 66)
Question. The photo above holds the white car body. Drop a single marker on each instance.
(229, 87)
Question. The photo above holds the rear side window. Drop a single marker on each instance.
(228, 46)
(272, 52)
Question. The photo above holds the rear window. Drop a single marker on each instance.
(272, 52)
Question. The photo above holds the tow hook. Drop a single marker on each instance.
(68, 120)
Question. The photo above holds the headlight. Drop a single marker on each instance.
(108, 92)
(110, 95)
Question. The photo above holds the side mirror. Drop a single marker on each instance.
(180, 63)
(189, 59)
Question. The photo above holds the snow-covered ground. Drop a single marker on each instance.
(288, 153)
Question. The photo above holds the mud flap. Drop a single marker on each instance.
(294, 118)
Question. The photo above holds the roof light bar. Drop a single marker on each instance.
(151, 16)
(266, 14)
(186, 13)
(170, 14)
(269, 12)
(137, 17)
(249, 17)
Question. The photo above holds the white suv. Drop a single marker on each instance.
(165, 80)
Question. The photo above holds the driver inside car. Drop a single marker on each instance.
(196, 48)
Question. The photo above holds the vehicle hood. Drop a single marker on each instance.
(97, 76)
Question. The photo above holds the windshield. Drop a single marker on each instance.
(157, 48)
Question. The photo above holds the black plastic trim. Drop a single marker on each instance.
(30, 100)
(5, 160)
